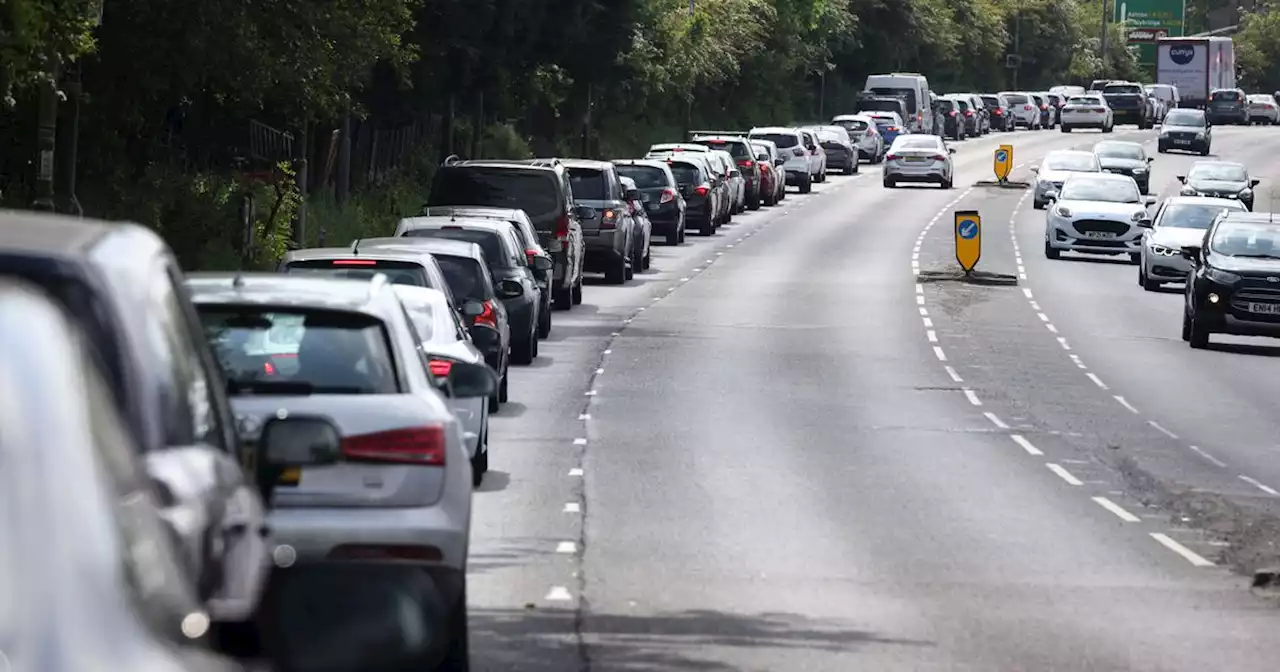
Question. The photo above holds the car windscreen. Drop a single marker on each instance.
(782, 140)
(465, 277)
(1225, 96)
(1119, 150)
(535, 192)
(298, 351)
(1183, 118)
(1192, 215)
(1225, 172)
(645, 177)
(1257, 240)
(686, 173)
(1092, 189)
(1073, 162)
(853, 124)
(738, 150)
(1016, 98)
(587, 184)
(1122, 88)
(489, 241)
(398, 272)
(909, 94)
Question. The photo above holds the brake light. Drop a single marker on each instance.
(488, 318)
(268, 369)
(939, 157)
(1028, 107)
(609, 219)
(893, 129)
(531, 253)
(702, 190)
(562, 227)
(891, 157)
(440, 368)
(668, 195)
(414, 445)
(1044, 107)
(354, 262)
(968, 113)
(952, 113)
(746, 163)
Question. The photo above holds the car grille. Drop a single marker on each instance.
(1218, 194)
(1241, 299)
(1182, 136)
(1087, 225)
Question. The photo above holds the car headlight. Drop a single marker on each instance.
(1161, 250)
(1062, 211)
(1220, 276)
(1139, 171)
(1200, 135)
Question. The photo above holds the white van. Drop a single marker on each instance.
(912, 86)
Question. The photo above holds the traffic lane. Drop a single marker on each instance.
(1220, 401)
(528, 507)
(769, 417)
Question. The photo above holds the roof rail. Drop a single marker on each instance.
(377, 282)
(546, 161)
(450, 160)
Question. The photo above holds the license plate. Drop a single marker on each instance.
(1099, 234)
(916, 159)
(1181, 142)
(1265, 308)
(291, 476)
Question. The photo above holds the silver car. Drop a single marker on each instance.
(1098, 214)
(1023, 110)
(862, 132)
(737, 185)
(919, 158)
(395, 510)
(1056, 168)
(1180, 220)
(446, 341)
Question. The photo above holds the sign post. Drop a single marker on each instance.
(1003, 163)
(968, 239)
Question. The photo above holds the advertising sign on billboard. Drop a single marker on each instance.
(1145, 21)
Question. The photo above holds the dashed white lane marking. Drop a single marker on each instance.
(608, 352)
(697, 270)
(1079, 364)
(1027, 292)
(924, 312)
(1199, 451)
(1026, 445)
(579, 442)
(1052, 328)
(591, 393)
(954, 376)
(1035, 305)
(919, 300)
(1265, 488)
(641, 308)
(1096, 380)
(684, 279)
(576, 471)
(1161, 429)
(1125, 403)
(1117, 509)
(995, 420)
(558, 594)
(973, 398)
(932, 335)
(942, 356)
(1063, 342)
(1188, 554)
(928, 323)
(1064, 474)
(1043, 317)
(599, 371)
(566, 547)
(919, 288)
(572, 507)
(616, 333)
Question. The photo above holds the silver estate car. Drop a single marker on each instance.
(393, 515)
(1180, 220)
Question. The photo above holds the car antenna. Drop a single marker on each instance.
(238, 281)
(355, 247)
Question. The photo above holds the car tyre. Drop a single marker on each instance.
(755, 203)
(1135, 258)
(708, 228)
(525, 350)
(946, 184)
(807, 185)
(851, 169)
(1050, 252)
(1147, 283)
(458, 657)
(577, 292)
(562, 298)
(544, 322)
(1186, 326)
(1066, 128)
(616, 274)
(480, 463)
(637, 264)
(1197, 335)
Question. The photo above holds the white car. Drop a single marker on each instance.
(1180, 220)
(862, 132)
(1263, 109)
(1023, 110)
(919, 158)
(1098, 214)
(1057, 166)
(817, 155)
(791, 145)
(1091, 111)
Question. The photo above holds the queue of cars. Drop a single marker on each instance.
(1208, 237)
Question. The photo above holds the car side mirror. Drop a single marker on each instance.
(1145, 224)
(541, 264)
(472, 308)
(585, 213)
(1191, 253)
(951, 150)
(510, 289)
(734, 173)
(1051, 195)
(1182, 179)
(1151, 159)
(633, 195)
(472, 380)
(1035, 170)
(1149, 200)
(1254, 182)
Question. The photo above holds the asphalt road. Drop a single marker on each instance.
(781, 450)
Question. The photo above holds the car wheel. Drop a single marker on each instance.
(617, 271)
(1162, 149)
(1186, 326)
(480, 463)
(562, 298)
(1135, 258)
(673, 238)
(636, 265)
(458, 657)
(1037, 205)
(1050, 252)
(851, 169)
(889, 184)
(1066, 128)
(524, 350)
(708, 227)
(1204, 152)
(1147, 283)
(544, 322)
(807, 185)
(1197, 335)
(647, 260)
(946, 184)
(577, 293)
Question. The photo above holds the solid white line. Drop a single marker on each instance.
(572, 507)
(1096, 380)
(1043, 317)
(933, 336)
(1190, 555)
(1026, 445)
(1265, 488)
(1209, 457)
(1124, 402)
(928, 323)
(973, 398)
(924, 312)
(566, 547)
(1162, 430)
(1064, 474)
(580, 442)
(1062, 340)
(1116, 509)
(919, 288)
(942, 356)
(576, 471)
(558, 594)
(954, 376)
(995, 420)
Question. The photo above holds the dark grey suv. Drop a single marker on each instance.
(610, 235)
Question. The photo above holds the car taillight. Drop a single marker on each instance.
(1028, 107)
(440, 368)
(488, 318)
(1044, 107)
(998, 111)
(609, 219)
(702, 190)
(939, 157)
(531, 253)
(968, 113)
(891, 157)
(668, 195)
(562, 227)
(414, 445)
(1099, 109)
(746, 163)
(354, 262)
(952, 113)
(268, 369)
(893, 129)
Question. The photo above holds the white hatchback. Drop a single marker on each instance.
(1091, 111)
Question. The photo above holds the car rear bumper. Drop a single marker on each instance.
(315, 532)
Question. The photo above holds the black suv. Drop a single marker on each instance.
(739, 147)
(542, 189)
(1235, 287)
(1128, 103)
(1228, 106)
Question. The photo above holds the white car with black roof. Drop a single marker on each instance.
(1099, 213)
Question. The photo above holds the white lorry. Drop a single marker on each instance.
(1197, 66)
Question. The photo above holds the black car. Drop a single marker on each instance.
(1228, 106)
(1187, 130)
(1126, 158)
(740, 149)
(695, 187)
(516, 282)
(998, 107)
(966, 116)
(1235, 287)
(122, 285)
(1219, 179)
(1128, 102)
(952, 126)
(612, 244)
(662, 199)
(543, 191)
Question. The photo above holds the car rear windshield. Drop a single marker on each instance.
(1184, 118)
(782, 140)
(1227, 172)
(1122, 88)
(465, 277)
(588, 184)
(915, 142)
(946, 105)
(1120, 150)
(266, 350)
(645, 177)
(489, 241)
(853, 124)
(1257, 240)
(990, 101)
(736, 149)
(398, 272)
(422, 313)
(686, 173)
(1083, 101)
(1225, 96)
(1071, 162)
(1016, 98)
(534, 191)
(1095, 189)
(1193, 215)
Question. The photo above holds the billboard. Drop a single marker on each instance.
(1146, 21)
